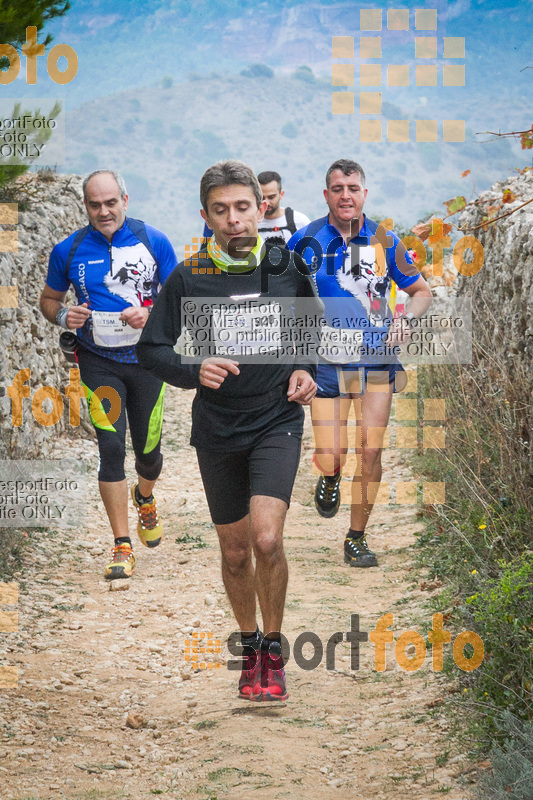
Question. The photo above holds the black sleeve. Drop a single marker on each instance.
(155, 348)
(306, 356)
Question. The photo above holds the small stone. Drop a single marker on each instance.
(123, 765)
(157, 734)
(120, 585)
(75, 626)
(400, 744)
(335, 783)
(196, 623)
(209, 600)
(136, 624)
(134, 720)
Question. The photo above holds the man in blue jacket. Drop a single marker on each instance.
(116, 265)
(353, 265)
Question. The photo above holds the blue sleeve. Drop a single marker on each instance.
(166, 257)
(401, 276)
(295, 238)
(56, 278)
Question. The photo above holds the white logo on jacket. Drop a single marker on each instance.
(132, 274)
(363, 283)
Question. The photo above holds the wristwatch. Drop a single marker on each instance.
(61, 317)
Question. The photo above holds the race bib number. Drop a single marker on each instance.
(340, 345)
(111, 331)
(247, 330)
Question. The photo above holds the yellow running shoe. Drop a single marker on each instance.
(122, 563)
(149, 528)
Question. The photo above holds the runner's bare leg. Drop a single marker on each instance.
(238, 571)
(267, 518)
(375, 412)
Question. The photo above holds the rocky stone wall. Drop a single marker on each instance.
(50, 209)
(502, 291)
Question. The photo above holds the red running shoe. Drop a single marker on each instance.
(250, 675)
(271, 684)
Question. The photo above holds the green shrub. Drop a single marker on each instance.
(258, 71)
(12, 544)
(10, 166)
(502, 611)
(511, 777)
(304, 73)
(212, 145)
(290, 130)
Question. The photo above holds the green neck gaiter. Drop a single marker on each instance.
(231, 265)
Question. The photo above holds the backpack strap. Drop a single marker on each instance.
(138, 228)
(78, 239)
(289, 216)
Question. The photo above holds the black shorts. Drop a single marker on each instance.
(231, 478)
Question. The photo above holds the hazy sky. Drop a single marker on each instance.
(130, 43)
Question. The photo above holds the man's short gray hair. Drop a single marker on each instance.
(116, 175)
(227, 173)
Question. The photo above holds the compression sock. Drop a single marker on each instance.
(142, 500)
(272, 643)
(123, 540)
(251, 642)
(354, 534)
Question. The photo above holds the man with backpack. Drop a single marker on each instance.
(278, 224)
(116, 265)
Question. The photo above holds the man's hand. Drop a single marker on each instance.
(214, 370)
(135, 316)
(302, 388)
(399, 332)
(77, 315)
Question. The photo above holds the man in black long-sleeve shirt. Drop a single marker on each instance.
(247, 418)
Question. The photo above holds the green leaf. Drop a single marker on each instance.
(455, 204)
(526, 139)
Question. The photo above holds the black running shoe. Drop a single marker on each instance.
(357, 553)
(328, 495)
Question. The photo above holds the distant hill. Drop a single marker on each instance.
(162, 140)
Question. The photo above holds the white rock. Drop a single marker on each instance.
(400, 744)
(121, 585)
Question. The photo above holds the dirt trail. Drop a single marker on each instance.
(88, 657)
